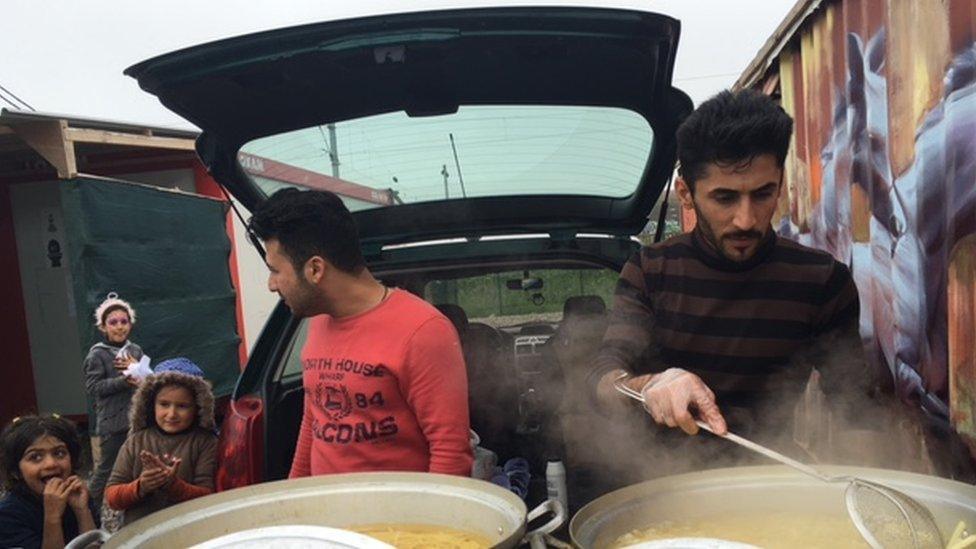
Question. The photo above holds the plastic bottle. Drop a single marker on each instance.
(484, 459)
(556, 482)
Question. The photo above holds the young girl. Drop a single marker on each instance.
(47, 504)
(170, 454)
(109, 389)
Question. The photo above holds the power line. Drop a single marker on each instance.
(9, 102)
(22, 102)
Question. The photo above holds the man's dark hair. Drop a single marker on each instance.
(21, 433)
(732, 128)
(310, 223)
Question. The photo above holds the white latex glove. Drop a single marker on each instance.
(676, 397)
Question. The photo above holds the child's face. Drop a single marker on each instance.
(46, 458)
(175, 409)
(116, 326)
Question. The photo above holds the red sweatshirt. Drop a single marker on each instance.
(385, 390)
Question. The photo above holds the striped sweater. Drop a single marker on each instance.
(752, 331)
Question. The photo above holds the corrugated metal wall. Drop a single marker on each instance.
(882, 173)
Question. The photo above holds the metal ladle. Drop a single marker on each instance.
(884, 517)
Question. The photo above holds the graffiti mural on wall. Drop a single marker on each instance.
(897, 209)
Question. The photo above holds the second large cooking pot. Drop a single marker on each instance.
(343, 501)
(759, 490)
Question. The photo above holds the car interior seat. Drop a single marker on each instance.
(574, 347)
(457, 316)
(492, 387)
(577, 340)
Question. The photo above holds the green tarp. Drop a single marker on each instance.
(167, 254)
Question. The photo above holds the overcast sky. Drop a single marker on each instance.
(67, 56)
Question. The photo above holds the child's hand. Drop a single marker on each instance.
(56, 493)
(151, 480)
(122, 362)
(167, 463)
(152, 461)
(78, 495)
(131, 381)
(173, 467)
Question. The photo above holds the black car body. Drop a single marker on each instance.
(560, 126)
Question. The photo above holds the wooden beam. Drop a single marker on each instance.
(5, 130)
(85, 135)
(47, 137)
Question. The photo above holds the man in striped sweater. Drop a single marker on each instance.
(725, 323)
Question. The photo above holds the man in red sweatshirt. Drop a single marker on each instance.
(384, 377)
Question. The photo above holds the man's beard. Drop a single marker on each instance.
(715, 241)
(303, 303)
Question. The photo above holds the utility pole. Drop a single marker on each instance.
(447, 193)
(457, 164)
(395, 194)
(333, 150)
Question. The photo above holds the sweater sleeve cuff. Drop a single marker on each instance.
(122, 496)
(594, 377)
(180, 490)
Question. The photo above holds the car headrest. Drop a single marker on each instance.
(456, 315)
(584, 305)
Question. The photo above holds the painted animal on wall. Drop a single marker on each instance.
(899, 229)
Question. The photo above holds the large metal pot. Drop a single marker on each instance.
(343, 501)
(763, 489)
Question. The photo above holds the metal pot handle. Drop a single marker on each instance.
(549, 506)
(84, 540)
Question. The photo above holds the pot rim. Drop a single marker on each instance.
(240, 499)
(924, 487)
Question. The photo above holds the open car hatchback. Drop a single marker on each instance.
(499, 163)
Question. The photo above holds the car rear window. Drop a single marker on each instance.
(478, 151)
(492, 299)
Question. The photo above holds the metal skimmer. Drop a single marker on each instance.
(886, 518)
